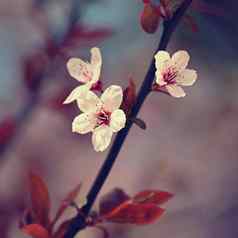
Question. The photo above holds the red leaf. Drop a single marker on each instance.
(81, 34)
(36, 231)
(129, 97)
(27, 218)
(56, 102)
(152, 196)
(62, 229)
(33, 68)
(7, 129)
(203, 7)
(67, 202)
(103, 230)
(191, 23)
(112, 200)
(39, 199)
(134, 213)
(150, 18)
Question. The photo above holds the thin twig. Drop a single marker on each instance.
(169, 27)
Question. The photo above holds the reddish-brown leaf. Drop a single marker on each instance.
(129, 97)
(150, 18)
(152, 196)
(39, 199)
(67, 202)
(62, 229)
(36, 231)
(33, 68)
(7, 129)
(112, 200)
(103, 230)
(203, 7)
(134, 213)
(27, 218)
(190, 21)
(81, 34)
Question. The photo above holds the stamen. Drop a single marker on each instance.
(169, 75)
(103, 118)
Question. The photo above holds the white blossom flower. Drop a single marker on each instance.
(171, 72)
(85, 72)
(101, 116)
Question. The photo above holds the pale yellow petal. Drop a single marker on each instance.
(187, 77)
(76, 93)
(161, 59)
(96, 58)
(159, 78)
(80, 70)
(89, 102)
(84, 123)
(118, 120)
(96, 63)
(175, 91)
(101, 138)
(180, 59)
(112, 98)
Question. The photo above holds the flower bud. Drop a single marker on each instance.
(150, 18)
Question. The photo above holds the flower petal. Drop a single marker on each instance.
(181, 59)
(159, 78)
(96, 62)
(161, 59)
(96, 58)
(187, 77)
(118, 120)
(77, 93)
(89, 102)
(101, 138)
(84, 123)
(112, 98)
(80, 70)
(175, 90)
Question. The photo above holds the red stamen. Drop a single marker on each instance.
(103, 118)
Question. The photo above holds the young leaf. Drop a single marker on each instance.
(40, 200)
(150, 18)
(36, 231)
(139, 122)
(103, 230)
(27, 218)
(81, 34)
(203, 7)
(66, 203)
(129, 97)
(112, 200)
(33, 68)
(7, 129)
(62, 229)
(191, 23)
(134, 213)
(152, 196)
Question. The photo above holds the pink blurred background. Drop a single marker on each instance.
(189, 147)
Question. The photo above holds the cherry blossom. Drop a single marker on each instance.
(101, 116)
(171, 72)
(84, 72)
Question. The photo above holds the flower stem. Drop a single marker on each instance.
(169, 27)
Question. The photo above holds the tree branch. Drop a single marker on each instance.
(169, 27)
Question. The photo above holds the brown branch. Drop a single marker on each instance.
(169, 27)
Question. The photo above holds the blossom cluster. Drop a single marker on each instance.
(103, 115)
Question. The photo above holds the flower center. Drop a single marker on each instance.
(170, 75)
(103, 118)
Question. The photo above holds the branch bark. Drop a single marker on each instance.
(170, 25)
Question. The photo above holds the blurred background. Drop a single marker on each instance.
(190, 147)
